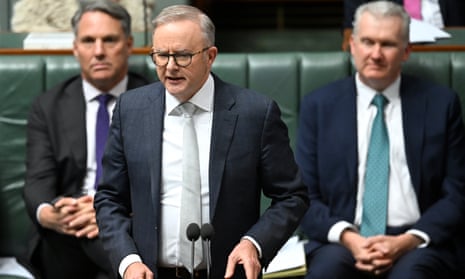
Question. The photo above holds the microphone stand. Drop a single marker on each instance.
(192, 233)
(192, 259)
(207, 233)
(208, 259)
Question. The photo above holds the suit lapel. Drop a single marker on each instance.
(224, 122)
(155, 112)
(413, 117)
(71, 113)
(345, 111)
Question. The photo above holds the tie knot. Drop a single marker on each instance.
(103, 99)
(379, 101)
(188, 109)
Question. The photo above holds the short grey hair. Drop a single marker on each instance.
(185, 12)
(383, 9)
(108, 7)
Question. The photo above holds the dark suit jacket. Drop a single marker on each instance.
(57, 145)
(452, 11)
(250, 153)
(435, 150)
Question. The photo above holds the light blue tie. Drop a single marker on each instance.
(375, 196)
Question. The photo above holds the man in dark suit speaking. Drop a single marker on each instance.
(383, 156)
(241, 148)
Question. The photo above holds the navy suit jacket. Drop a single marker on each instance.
(250, 153)
(452, 11)
(435, 150)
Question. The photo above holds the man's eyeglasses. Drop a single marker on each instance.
(161, 59)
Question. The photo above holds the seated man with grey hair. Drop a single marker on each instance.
(383, 156)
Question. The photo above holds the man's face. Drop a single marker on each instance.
(379, 50)
(183, 37)
(102, 50)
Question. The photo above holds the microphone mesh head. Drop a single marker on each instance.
(193, 231)
(207, 231)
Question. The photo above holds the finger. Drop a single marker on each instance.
(383, 269)
(231, 265)
(89, 231)
(252, 269)
(85, 199)
(62, 202)
(83, 220)
(365, 267)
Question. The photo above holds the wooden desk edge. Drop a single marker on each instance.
(20, 51)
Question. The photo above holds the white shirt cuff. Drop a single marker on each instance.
(255, 243)
(334, 234)
(128, 260)
(42, 205)
(421, 235)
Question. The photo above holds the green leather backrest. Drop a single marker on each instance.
(277, 76)
(232, 67)
(21, 79)
(320, 68)
(434, 66)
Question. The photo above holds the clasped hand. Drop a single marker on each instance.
(377, 254)
(71, 216)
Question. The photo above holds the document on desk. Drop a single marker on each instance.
(49, 40)
(290, 261)
(423, 32)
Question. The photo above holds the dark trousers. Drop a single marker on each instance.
(334, 261)
(60, 256)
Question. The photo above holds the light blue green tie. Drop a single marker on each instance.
(375, 196)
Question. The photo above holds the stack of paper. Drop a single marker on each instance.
(10, 267)
(289, 261)
(423, 32)
(46, 40)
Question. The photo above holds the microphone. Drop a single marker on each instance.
(207, 232)
(193, 233)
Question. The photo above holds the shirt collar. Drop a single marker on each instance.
(203, 99)
(366, 93)
(91, 92)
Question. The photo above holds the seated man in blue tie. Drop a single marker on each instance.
(383, 156)
(64, 146)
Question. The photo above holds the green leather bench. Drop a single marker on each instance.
(285, 76)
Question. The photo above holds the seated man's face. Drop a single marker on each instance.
(378, 50)
(102, 49)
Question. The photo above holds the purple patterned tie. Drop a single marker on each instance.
(101, 132)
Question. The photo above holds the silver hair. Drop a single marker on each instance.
(185, 12)
(383, 9)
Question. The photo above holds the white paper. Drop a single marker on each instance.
(423, 32)
(291, 255)
(49, 40)
(9, 266)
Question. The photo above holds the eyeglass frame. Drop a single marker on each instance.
(174, 55)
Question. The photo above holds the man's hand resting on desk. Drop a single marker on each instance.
(245, 254)
(71, 216)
